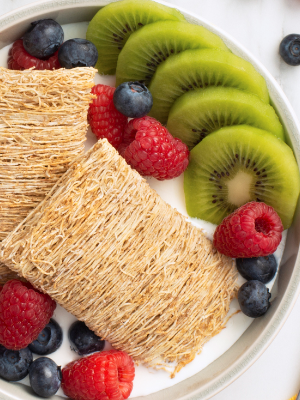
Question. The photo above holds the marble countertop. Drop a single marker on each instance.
(259, 25)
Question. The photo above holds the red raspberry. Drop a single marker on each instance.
(24, 312)
(154, 151)
(130, 131)
(101, 376)
(253, 230)
(105, 120)
(19, 59)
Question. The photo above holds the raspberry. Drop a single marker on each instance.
(19, 59)
(104, 119)
(154, 151)
(107, 376)
(253, 230)
(130, 131)
(24, 312)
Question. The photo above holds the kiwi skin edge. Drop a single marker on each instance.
(267, 161)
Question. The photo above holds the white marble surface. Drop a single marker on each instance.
(259, 25)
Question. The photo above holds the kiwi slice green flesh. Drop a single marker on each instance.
(154, 43)
(198, 68)
(238, 164)
(199, 112)
(113, 24)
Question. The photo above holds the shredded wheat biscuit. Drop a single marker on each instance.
(42, 129)
(108, 249)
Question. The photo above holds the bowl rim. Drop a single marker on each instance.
(290, 121)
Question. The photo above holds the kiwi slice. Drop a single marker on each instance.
(238, 164)
(199, 112)
(154, 43)
(198, 68)
(113, 24)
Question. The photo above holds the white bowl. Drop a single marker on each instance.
(262, 331)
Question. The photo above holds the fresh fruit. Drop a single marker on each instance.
(45, 377)
(289, 49)
(130, 131)
(49, 339)
(113, 24)
(14, 364)
(107, 375)
(262, 269)
(154, 152)
(253, 298)
(105, 120)
(154, 43)
(43, 38)
(77, 53)
(200, 68)
(24, 312)
(133, 99)
(19, 59)
(253, 230)
(236, 165)
(196, 114)
(83, 340)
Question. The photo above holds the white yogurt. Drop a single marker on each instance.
(147, 380)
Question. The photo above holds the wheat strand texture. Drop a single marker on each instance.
(108, 249)
(42, 130)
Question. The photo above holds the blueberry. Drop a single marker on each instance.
(45, 377)
(77, 53)
(133, 99)
(49, 339)
(83, 340)
(14, 364)
(289, 49)
(43, 38)
(253, 297)
(262, 269)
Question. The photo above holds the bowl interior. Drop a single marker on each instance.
(262, 331)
